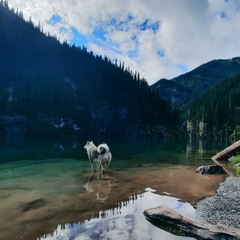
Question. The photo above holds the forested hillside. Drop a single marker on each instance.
(218, 109)
(187, 87)
(47, 87)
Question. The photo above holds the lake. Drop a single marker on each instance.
(47, 189)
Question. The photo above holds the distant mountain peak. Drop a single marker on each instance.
(188, 86)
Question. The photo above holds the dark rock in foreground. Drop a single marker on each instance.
(174, 222)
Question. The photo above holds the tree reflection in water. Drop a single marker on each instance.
(126, 220)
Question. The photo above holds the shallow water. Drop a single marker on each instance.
(47, 190)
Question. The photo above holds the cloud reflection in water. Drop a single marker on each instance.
(126, 221)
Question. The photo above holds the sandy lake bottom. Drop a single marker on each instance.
(63, 199)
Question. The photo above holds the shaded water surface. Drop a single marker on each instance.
(47, 190)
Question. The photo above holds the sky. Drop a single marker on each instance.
(157, 38)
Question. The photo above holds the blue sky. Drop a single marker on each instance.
(54, 20)
(77, 38)
(158, 39)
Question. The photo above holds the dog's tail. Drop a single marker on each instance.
(103, 148)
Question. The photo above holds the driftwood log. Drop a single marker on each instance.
(224, 155)
(170, 220)
(226, 151)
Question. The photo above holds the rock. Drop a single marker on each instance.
(168, 219)
(33, 205)
(210, 169)
(231, 159)
(237, 165)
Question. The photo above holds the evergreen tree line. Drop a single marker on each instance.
(54, 84)
(218, 108)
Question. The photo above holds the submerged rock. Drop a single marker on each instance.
(33, 205)
(210, 169)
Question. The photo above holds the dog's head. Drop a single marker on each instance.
(89, 144)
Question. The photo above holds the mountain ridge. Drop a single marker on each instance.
(189, 86)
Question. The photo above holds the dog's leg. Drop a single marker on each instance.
(100, 164)
(91, 162)
(109, 160)
(107, 164)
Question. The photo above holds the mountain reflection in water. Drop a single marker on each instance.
(49, 192)
(126, 221)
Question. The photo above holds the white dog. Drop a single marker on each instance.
(101, 155)
(105, 155)
(93, 154)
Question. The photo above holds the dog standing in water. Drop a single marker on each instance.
(101, 155)
(92, 153)
(105, 155)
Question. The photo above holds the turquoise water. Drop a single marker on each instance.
(47, 190)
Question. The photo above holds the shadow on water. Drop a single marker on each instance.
(47, 190)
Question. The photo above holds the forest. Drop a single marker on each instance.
(208, 98)
(218, 109)
(50, 88)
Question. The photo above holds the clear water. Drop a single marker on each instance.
(47, 190)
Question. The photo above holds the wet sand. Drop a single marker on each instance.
(28, 213)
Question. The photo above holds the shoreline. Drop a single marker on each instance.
(224, 207)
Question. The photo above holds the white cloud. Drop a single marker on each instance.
(186, 33)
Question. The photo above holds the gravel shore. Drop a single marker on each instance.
(224, 207)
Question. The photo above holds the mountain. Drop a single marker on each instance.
(189, 86)
(48, 87)
(218, 109)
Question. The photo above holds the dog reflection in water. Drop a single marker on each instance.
(100, 154)
(101, 186)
